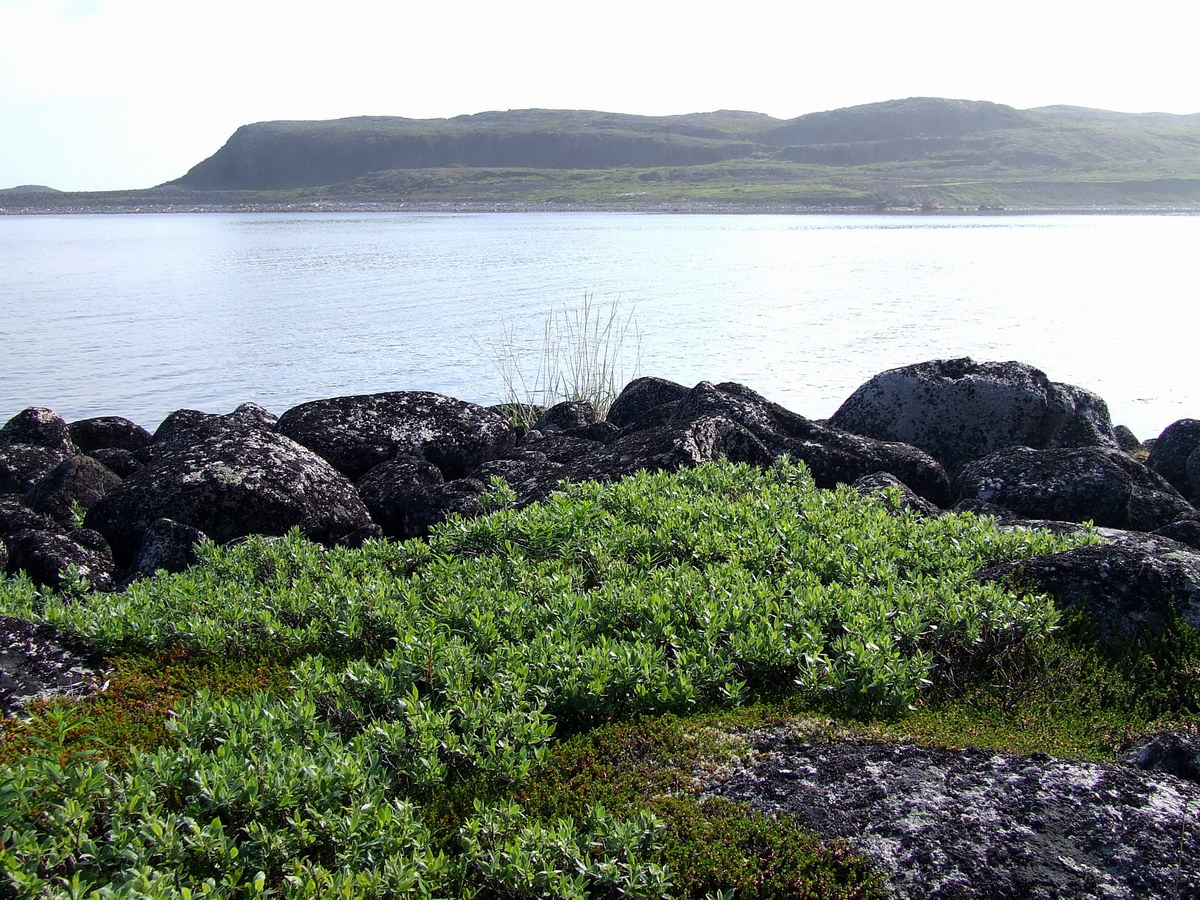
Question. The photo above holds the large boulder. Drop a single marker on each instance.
(167, 546)
(24, 465)
(355, 434)
(566, 416)
(229, 480)
(108, 433)
(833, 456)
(1170, 454)
(387, 490)
(641, 396)
(974, 823)
(958, 410)
(1134, 584)
(46, 556)
(39, 427)
(75, 483)
(16, 516)
(1094, 484)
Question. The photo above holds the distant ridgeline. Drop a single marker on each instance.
(919, 152)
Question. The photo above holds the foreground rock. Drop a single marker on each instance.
(1088, 484)
(958, 410)
(230, 480)
(1170, 455)
(355, 434)
(979, 824)
(38, 662)
(1137, 584)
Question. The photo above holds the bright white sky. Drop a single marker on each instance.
(109, 94)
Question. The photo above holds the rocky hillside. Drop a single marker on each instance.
(919, 151)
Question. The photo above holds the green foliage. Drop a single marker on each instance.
(430, 679)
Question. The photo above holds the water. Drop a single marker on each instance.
(139, 315)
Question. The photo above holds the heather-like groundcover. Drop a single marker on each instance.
(519, 705)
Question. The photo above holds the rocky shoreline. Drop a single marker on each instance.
(116, 503)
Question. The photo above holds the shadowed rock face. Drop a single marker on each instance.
(1078, 485)
(38, 661)
(108, 433)
(357, 433)
(1171, 453)
(78, 480)
(958, 410)
(230, 480)
(969, 824)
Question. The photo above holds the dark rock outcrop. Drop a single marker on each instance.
(968, 824)
(45, 557)
(38, 427)
(23, 465)
(166, 545)
(78, 481)
(833, 456)
(958, 410)
(425, 507)
(641, 396)
(357, 433)
(229, 480)
(880, 484)
(121, 463)
(386, 490)
(1094, 484)
(566, 416)
(16, 516)
(1173, 752)
(1170, 453)
(108, 433)
(1126, 439)
(38, 661)
(1138, 584)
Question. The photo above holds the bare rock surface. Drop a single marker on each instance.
(45, 557)
(357, 433)
(1095, 484)
(566, 416)
(1137, 582)
(37, 662)
(108, 433)
(1170, 454)
(965, 824)
(38, 427)
(641, 396)
(78, 481)
(1174, 752)
(230, 479)
(23, 465)
(959, 409)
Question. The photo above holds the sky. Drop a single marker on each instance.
(117, 94)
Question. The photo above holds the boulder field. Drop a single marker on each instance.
(118, 503)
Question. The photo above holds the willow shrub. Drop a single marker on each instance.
(422, 666)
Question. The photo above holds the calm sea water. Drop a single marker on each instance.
(143, 314)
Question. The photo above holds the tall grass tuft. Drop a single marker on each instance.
(582, 357)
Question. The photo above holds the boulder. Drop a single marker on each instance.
(958, 410)
(107, 433)
(16, 516)
(640, 396)
(38, 662)
(357, 433)
(39, 427)
(166, 545)
(881, 484)
(1173, 752)
(385, 489)
(1193, 473)
(229, 480)
(1104, 486)
(76, 482)
(426, 507)
(1126, 439)
(1186, 531)
(556, 447)
(44, 556)
(833, 456)
(1171, 451)
(566, 416)
(121, 463)
(974, 823)
(23, 465)
(1127, 587)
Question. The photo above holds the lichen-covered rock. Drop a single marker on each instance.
(1173, 752)
(121, 463)
(385, 489)
(1126, 439)
(640, 396)
(1104, 486)
(357, 433)
(108, 433)
(967, 824)
(833, 456)
(45, 557)
(1171, 451)
(566, 416)
(16, 516)
(76, 482)
(557, 447)
(426, 507)
(38, 662)
(882, 484)
(1186, 531)
(1136, 584)
(39, 427)
(229, 480)
(958, 410)
(166, 545)
(23, 465)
